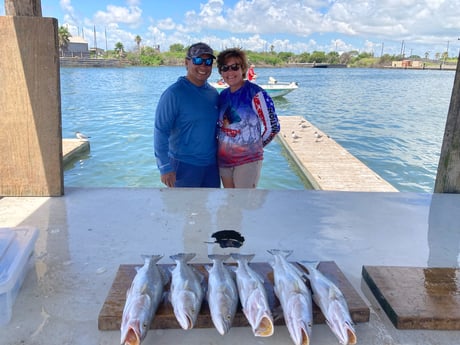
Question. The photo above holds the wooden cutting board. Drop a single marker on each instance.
(416, 297)
(112, 309)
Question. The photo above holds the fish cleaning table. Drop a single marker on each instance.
(112, 310)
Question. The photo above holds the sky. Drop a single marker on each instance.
(408, 27)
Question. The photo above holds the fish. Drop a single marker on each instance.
(222, 294)
(253, 296)
(333, 305)
(186, 290)
(294, 296)
(142, 300)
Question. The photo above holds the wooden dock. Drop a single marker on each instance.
(71, 148)
(325, 163)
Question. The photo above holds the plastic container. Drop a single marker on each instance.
(16, 255)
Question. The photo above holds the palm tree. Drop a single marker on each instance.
(119, 49)
(63, 35)
(138, 40)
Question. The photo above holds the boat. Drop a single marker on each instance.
(274, 88)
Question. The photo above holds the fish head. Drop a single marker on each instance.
(187, 308)
(264, 326)
(258, 315)
(222, 314)
(341, 324)
(130, 335)
(136, 321)
(299, 319)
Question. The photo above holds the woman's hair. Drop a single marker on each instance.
(236, 53)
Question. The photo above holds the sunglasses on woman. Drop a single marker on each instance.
(234, 67)
(199, 61)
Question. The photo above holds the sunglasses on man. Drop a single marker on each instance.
(199, 60)
(233, 67)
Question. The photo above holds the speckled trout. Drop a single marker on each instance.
(253, 296)
(222, 294)
(333, 305)
(142, 300)
(186, 290)
(294, 296)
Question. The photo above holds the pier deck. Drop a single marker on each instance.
(71, 148)
(325, 163)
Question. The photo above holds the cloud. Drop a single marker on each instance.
(294, 25)
(166, 24)
(67, 8)
(131, 16)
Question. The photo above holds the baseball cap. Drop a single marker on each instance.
(199, 49)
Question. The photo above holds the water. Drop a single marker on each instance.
(392, 120)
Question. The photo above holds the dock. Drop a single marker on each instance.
(72, 148)
(324, 162)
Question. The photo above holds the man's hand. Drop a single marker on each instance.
(169, 179)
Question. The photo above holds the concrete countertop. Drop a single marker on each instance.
(86, 234)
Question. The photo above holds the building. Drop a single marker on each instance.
(77, 47)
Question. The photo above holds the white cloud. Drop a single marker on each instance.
(166, 24)
(295, 25)
(131, 16)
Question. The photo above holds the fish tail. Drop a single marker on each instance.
(185, 257)
(308, 266)
(152, 259)
(284, 253)
(242, 257)
(218, 257)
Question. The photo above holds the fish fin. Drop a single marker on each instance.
(242, 257)
(185, 257)
(300, 272)
(307, 266)
(221, 257)
(144, 288)
(283, 252)
(165, 274)
(152, 259)
(332, 293)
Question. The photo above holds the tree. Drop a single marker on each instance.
(318, 57)
(177, 47)
(138, 40)
(119, 49)
(64, 39)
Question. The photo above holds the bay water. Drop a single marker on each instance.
(391, 119)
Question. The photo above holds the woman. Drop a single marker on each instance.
(247, 123)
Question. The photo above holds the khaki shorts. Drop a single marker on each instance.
(244, 176)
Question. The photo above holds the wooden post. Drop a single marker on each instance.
(23, 8)
(448, 175)
(30, 103)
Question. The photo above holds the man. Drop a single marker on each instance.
(185, 125)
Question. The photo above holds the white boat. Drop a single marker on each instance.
(274, 88)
